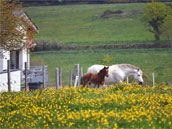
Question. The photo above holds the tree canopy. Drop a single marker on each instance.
(166, 27)
(154, 16)
(13, 29)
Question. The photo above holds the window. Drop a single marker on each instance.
(14, 59)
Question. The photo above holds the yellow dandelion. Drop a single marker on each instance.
(115, 126)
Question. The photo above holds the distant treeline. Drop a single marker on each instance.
(49, 2)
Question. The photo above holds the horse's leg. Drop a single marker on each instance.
(85, 82)
(118, 82)
(92, 85)
(104, 85)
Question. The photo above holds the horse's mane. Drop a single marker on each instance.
(101, 72)
(129, 66)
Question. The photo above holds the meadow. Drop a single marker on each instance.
(158, 61)
(120, 106)
(87, 25)
(94, 25)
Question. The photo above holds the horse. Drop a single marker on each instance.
(118, 72)
(95, 78)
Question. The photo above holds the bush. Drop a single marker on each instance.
(47, 45)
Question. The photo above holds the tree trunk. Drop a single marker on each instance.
(157, 37)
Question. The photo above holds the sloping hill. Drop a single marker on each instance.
(85, 24)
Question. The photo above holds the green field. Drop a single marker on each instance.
(149, 60)
(84, 25)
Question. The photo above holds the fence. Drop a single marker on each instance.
(74, 78)
(35, 75)
(11, 80)
(78, 72)
(39, 74)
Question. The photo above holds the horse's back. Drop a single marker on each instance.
(95, 68)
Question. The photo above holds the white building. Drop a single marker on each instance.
(17, 60)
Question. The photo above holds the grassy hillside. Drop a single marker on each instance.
(149, 60)
(90, 24)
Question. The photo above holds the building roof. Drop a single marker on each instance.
(27, 19)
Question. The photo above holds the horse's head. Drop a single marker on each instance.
(138, 76)
(105, 71)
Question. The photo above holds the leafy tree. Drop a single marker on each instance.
(166, 27)
(154, 16)
(13, 29)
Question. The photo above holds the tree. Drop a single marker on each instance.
(166, 27)
(12, 28)
(154, 16)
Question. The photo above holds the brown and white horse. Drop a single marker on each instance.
(95, 78)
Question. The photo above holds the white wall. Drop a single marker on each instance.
(23, 57)
(3, 59)
(15, 81)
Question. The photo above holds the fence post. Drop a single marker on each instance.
(70, 78)
(60, 77)
(153, 79)
(76, 73)
(76, 81)
(8, 74)
(81, 71)
(26, 83)
(43, 77)
(127, 80)
(57, 78)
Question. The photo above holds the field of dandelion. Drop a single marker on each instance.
(120, 106)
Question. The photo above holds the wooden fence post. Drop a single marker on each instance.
(70, 78)
(26, 83)
(77, 74)
(81, 71)
(57, 78)
(43, 77)
(127, 80)
(153, 79)
(76, 81)
(60, 77)
(8, 74)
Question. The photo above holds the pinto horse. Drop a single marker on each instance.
(95, 78)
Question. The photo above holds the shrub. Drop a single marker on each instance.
(47, 45)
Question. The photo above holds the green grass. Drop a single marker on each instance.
(83, 25)
(158, 61)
